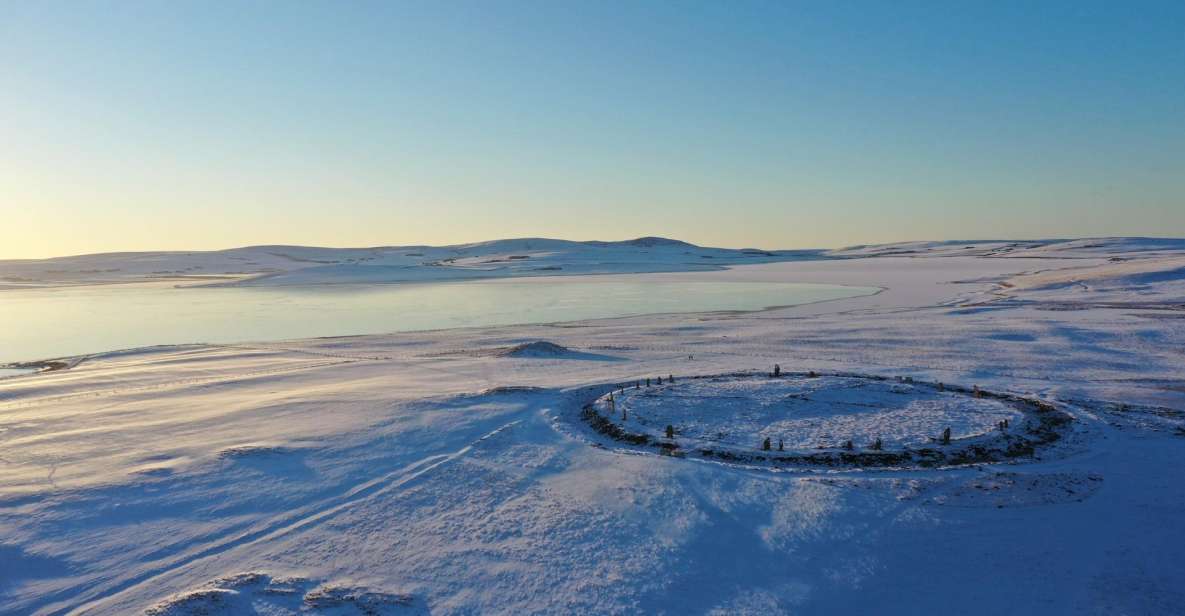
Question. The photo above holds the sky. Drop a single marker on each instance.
(203, 125)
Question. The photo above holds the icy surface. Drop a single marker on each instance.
(57, 322)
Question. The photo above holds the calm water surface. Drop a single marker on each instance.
(47, 323)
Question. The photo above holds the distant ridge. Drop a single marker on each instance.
(646, 242)
(278, 264)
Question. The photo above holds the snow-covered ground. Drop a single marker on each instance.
(448, 472)
(803, 413)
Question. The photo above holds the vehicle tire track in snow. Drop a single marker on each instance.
(284, 525)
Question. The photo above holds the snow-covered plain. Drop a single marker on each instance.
(802, 413)
(449, 471)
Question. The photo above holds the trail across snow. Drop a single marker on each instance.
(287, 523)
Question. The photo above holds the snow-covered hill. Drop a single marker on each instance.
(300, 265)
(304, 265)
(1055, 248)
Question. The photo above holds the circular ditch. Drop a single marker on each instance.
(823, 420)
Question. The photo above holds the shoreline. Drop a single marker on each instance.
(852, 292)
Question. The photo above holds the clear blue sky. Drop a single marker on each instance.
(188, 125)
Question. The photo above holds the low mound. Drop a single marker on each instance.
(539, 348)
(503, 390)
(260, 593)
(254, 450)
